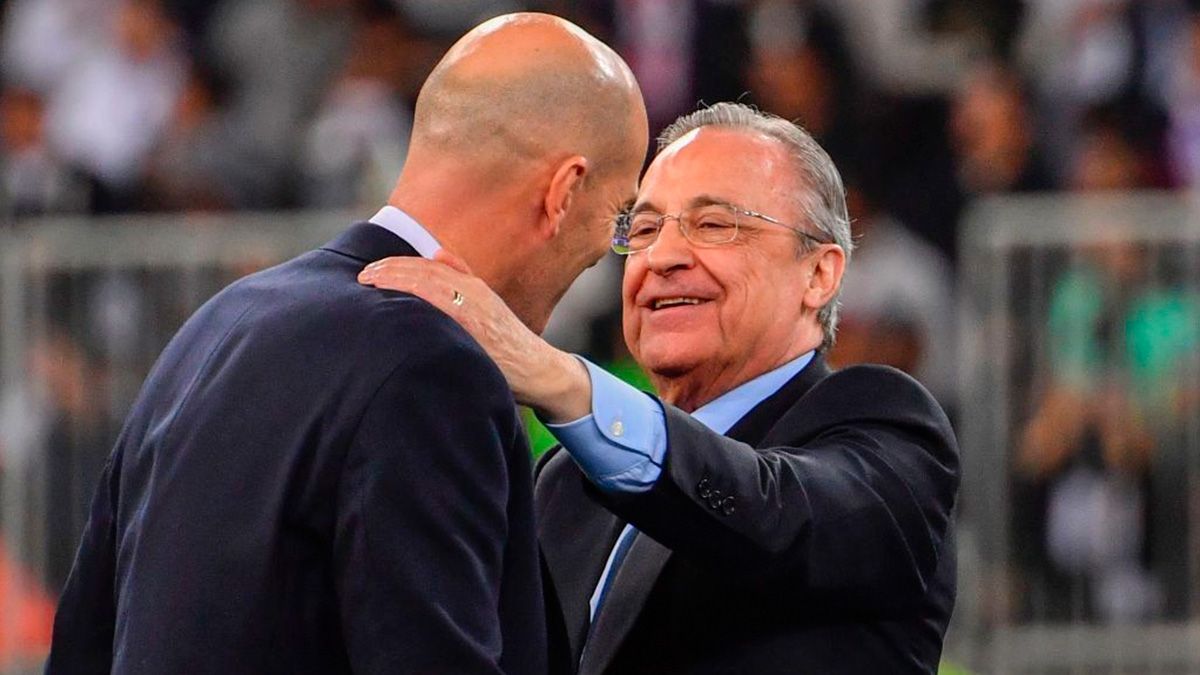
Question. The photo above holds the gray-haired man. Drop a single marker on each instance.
(767, 515)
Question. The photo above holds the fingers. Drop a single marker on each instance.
(448, 258)
(390, 268)
(408, 275)
(387, 272)
(455, 293)
(448, 285)
(417, 276)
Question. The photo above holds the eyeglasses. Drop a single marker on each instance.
(705, 226)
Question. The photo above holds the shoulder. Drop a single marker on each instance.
(867, 395)
(422, 369)
(419, 337)
(315, 303)
(887, 386)
(873, 387)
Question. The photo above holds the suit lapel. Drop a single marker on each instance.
(567, 510)
(647, 558)
(624, 603)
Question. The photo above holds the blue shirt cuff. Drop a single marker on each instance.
(621, 445)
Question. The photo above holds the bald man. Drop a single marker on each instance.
(320, 477)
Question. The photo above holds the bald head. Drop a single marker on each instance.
(527, 139)
(528, 86)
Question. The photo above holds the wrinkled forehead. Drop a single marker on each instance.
(742, 167)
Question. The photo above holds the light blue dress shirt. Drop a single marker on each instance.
(622, 444)
(402, 225)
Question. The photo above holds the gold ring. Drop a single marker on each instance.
(458, 299)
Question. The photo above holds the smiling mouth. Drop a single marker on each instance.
(664, 303)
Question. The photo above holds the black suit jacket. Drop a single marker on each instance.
(816, 537)
(317, 477)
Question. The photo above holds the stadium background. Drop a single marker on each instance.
(1020, 175)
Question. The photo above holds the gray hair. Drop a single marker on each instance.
(822, 196)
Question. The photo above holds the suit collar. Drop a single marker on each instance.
(754, 426)
(407, 228)
(368, 242)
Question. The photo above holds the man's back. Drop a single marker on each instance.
(317, 477)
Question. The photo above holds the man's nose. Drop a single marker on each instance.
(671, 251)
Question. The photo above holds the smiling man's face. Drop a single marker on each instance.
(703, 320)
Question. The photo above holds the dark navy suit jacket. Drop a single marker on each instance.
(317, 477)
(816, 537)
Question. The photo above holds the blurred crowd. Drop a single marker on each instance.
(122, 106)
(116, 106)
(135, 105)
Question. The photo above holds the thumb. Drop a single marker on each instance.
(447, 258)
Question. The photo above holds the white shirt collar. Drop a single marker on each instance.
(402, 225)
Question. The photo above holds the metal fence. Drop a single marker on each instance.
(1079, 419)
(1080, 429)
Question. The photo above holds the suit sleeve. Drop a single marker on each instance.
(422, 516)
(85, 620)
(855, 505)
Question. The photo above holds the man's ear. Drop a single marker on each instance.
(564, 186)
(825, 277)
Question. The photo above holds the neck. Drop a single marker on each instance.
(699, 386)
(479, 228)
(464, 224)
(688, 393)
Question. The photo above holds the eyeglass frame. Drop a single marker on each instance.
(628, 216)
